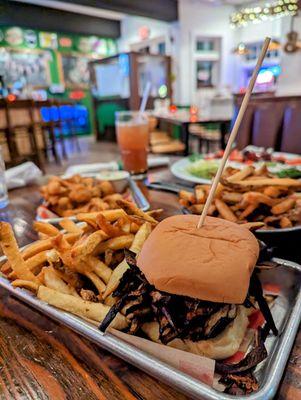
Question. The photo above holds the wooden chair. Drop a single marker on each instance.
(21, 137)
(208, 138)
(162, 143)
(173, 146)
(4, 134)
(291, 133)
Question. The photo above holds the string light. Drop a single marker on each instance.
(268, 11)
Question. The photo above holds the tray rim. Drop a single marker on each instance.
(158, 369)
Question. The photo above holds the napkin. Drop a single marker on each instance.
(152, 162)
(22, 175)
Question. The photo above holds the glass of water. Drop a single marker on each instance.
(3, 188)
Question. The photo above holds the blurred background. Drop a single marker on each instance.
(67, 66)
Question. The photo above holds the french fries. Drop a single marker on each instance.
(77, 306)
(45, 228)
(249, 196)
(78, 269)
(14, 256)
(136, 247)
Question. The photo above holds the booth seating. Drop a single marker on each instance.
(291, 133)
(271, 122)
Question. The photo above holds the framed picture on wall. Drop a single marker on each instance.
(25, 67)
(75, 70)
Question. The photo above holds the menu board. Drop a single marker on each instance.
(16, 37)
(24, 68)
(76, 71)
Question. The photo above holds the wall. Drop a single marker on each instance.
(129, 36)
(52, 46)
(290, 63)
(257, 32)
(207, 19)
(130, 26)
(197, 17)
(290, 78)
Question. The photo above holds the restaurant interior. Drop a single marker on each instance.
(150, 199)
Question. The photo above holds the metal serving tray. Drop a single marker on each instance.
(136, 193)
(287, 315)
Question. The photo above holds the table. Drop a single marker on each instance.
(184, 119)
(41, 359)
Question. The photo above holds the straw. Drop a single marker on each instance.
(145, 97)
(234, 132)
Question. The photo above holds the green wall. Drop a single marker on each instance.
(57, 44)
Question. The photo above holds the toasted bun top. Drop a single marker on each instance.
(213, 263)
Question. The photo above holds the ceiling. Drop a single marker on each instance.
(165, 10)
(237, 2)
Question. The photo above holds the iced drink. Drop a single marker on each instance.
(133, 139)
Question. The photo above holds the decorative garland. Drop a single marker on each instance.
(263, 13)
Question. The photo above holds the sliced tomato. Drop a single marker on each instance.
(270, 288)
(238, 356)
(294, 161)
(256, 320)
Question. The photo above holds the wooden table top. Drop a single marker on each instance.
(41, 359)
(184, 117)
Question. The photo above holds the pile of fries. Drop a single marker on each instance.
(71, 196)
(250, 195)
(76, 269)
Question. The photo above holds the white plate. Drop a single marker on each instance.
(179, 168)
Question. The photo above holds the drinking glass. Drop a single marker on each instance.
(133, 139)
(3, 188)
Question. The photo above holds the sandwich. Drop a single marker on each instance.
(194, 289)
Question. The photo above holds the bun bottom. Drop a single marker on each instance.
(222, 346)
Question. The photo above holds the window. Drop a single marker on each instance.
(254, 50)
(144, 50)
(206, 53)
(205, 45)
(204, 73)
(162, 48)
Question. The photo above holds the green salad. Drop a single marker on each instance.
(203, 168)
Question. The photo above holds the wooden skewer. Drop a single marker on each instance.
(234, 132)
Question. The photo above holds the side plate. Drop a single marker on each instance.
(136, 193)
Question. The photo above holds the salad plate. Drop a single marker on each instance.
(200, 169)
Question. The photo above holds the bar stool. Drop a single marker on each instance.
(67, 116)
(50, 115)
(46, 128)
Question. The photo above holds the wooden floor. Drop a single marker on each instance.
(91, 152)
